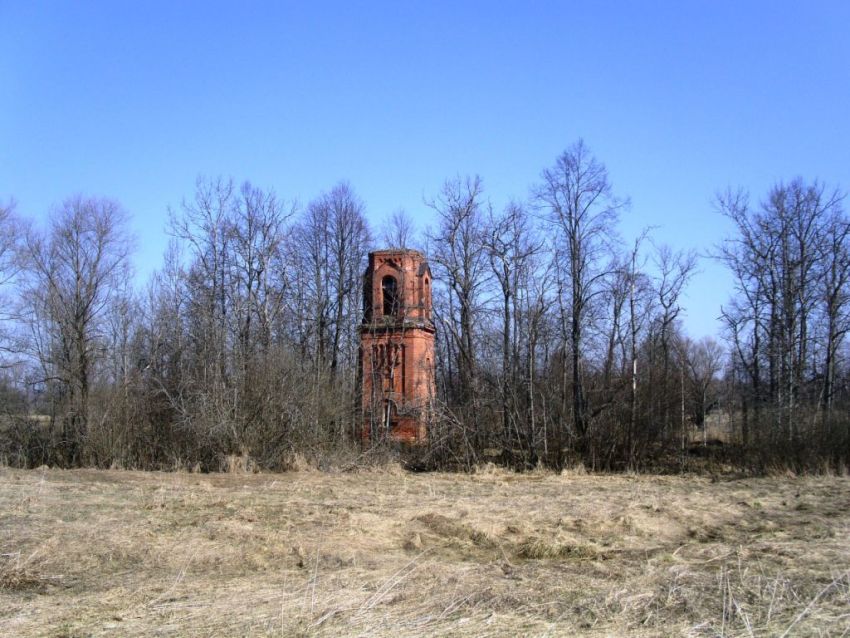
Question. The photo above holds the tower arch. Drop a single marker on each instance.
(389, 295)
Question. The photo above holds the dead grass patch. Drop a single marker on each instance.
(18, 574)
(386, 552)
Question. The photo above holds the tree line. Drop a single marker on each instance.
(558, 341)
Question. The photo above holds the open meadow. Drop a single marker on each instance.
(386, 552)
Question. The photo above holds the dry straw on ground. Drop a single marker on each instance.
(108, 553)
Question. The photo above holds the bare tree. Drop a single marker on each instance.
(399, 230)
(835, 291)
(675, 269)
(460, 259)
(578, 200)
(225, 305)
(73, 271)
(511, 247)
(11, 233)
(204, 230)
(258, 226)
(788, 258)
(704, 359)
(350, 241)
(638, 287)
(332, 241)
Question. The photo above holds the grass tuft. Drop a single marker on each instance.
(541, 549)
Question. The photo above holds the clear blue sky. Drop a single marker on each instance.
(133, 100)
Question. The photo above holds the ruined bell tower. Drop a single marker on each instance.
(397, 347)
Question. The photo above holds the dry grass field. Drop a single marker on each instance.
(115, 553)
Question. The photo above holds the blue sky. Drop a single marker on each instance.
(133, 100)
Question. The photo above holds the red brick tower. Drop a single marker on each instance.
(397, 347)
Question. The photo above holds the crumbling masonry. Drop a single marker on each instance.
(397, 347)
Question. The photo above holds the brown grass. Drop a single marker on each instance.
(106, 553)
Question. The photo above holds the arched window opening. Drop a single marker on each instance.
(389, 289)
